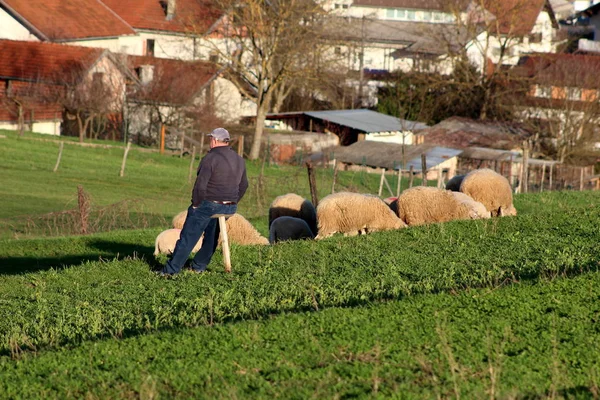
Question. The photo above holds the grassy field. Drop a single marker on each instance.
(501, 308)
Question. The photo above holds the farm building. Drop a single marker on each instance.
(349, 125)
(293, 147)
(377, 156)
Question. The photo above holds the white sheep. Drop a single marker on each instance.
(454, 183)
(478, 208)
(352, 213)
(289, 228)
(293, 205)
(166, 240)
(491, 189)
(426, 205)
(179, 220)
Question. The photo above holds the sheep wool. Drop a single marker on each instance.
(166, 240)
(479, 209)
(289, 228)
(179, 220)
(491, 189)
(426, 205)
(353, 213)
(241, 231)
(454, 183)
(293, 205)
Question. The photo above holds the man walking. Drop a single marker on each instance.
(221, 182)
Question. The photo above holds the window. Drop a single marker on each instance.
(438, 16)
(411, 15)
(426, 15)
(535, 37)
(338, 51)
(543, 91)
(150, 47)
(213, 58)
(344, 6)
(97, 81)
(574, 93)
(401, 14)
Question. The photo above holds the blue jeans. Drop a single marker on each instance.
(198, 221)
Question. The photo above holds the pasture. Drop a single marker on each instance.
(500, 308)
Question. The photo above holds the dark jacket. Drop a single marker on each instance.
(221, 177)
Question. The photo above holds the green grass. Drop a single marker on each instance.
(156, 185)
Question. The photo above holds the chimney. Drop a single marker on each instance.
(170, 9)
(146, 73)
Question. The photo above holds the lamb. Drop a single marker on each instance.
(475, 206)
(239, 230)
(425, 205)
(293, 205)
(166, 240)
(179, 220)
(351, 213)
(491, 189)
(289, 228)
(454, 183)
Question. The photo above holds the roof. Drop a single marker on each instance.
(437, 38)
(189, 16)
(362, 120)
(174, 82)
(34, 106)
(45, 62)
(57, 20)
(574, 70)
(460, 133)
(389, 155)
(515, 17)
(483, 153)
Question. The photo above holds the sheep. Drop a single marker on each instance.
(425, 205)
(289, 228)
(166, 240)
(179, 220)
(351, 213)
(475, 206)
(491, 189)
(454, 183)
(239, 230)
(293, 205)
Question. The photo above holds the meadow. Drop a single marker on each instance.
(501, 308)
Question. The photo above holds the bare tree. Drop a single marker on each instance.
(266, 48)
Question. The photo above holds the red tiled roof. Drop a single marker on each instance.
(31, 97)
(572, 70)
(460, 133)
(515, 17)
(174, 82)
(190, 15)
(49, 62)
(69, 19)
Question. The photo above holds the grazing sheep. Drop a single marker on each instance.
(475, 206)
(491, 189)
(166, 240)
(293, 205)
(289, 228)
(454, 183)
(179, 220)
(426, 205)
(352, 213)
(241, 231)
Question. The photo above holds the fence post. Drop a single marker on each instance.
(411, 178)
(201, 144)
(381, 182)
(550, 177)
(312, 183)
(398, 185)
(162, 139)
(240, 149)
(581, 179)
(424, 170)
(182, 144)
(125, 159)
(440, 177)
(62, 144)
(192, 163)
(543, 177)
(525, 170)
(335, 173)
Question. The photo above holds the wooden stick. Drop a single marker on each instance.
(201, 145)
(162, 139)
(192, 163)
(411, 177)
(381, 182)
(240, 149)
(399, 183)
(388, 186)
(125, 159)
(182, 145)
(550, 177)
(225, 243)
(312, 183)
(581, 180)
(423, 170)
(440, 177)
(335, 173)
(543, 176)
(62, 144)
(525, 170)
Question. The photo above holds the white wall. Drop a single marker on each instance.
(11, 29)
(45, 127)
(391, 137)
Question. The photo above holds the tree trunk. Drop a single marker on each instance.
(258, 131)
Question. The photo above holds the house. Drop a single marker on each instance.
(349, 125)
(77, 22)
(376, 156)
(176, 29)
(184, 94)
(562, 100)
(44, 84)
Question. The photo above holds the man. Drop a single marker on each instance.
(221, 182)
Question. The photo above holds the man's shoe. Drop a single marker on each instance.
(163, 275)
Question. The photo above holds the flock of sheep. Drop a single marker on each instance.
(481, 193)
